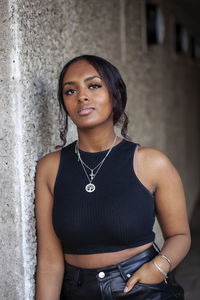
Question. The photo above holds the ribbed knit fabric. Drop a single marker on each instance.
(119, 214)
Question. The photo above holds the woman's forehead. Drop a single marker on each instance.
(80, 69)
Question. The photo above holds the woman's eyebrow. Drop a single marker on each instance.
(87, 79)
(92, 77)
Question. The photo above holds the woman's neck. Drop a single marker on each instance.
(97, 142)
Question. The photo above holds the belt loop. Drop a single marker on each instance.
(123, 274)
(76, 277)
(156, 247)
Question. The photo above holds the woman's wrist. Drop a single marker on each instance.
(160, 269)
(161, 264)
(167, 260)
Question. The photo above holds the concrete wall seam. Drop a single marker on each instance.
(122, 31)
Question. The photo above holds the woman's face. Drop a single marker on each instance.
(86, 96)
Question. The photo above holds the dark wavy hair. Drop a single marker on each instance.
(114, 83)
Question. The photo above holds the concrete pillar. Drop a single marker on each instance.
(17, 231)
(36, 40)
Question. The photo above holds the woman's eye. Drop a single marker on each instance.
(69, 92)
(94, 86)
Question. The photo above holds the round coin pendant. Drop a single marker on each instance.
(90, 187)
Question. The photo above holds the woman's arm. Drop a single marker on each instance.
(50, 261)
(171, 212)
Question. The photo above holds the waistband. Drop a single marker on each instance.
(123, 267)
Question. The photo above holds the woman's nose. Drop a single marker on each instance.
(82, 95)
(82, 98)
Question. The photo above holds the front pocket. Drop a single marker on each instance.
(117, 284)
(160, 285)
(141, 291)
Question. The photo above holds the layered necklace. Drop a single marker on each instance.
(90, 187)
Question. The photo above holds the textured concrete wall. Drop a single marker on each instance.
(11, 224)
(37, 38)
(164, 96)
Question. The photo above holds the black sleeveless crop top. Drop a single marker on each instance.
(119, 214)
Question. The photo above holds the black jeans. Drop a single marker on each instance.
(108, 283)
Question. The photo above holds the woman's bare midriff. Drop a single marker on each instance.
(99, 260)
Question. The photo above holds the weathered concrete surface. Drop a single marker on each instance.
(164, 97)
(11, 237)
(37, 39)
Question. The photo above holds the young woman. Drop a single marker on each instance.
(96, 200)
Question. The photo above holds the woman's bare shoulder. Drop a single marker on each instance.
(155, 160)
(149, 153)
(47, 169)
(48, 162)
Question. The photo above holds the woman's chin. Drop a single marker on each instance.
(91, 123)
(87, 126)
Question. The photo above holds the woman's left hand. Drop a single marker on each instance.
(146, 274)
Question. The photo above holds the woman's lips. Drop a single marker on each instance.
(84, 111)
